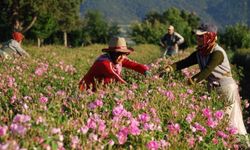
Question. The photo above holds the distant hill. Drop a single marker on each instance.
(222, 12)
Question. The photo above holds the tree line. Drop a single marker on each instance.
(39, 17)
(155, 24)
(60, 22)
(53, 21)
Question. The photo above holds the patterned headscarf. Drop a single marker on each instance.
(209, 40)
(209, 33)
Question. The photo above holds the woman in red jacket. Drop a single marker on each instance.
(107, 67)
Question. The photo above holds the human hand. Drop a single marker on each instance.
(176, 46)
(167, 69)
(163, 46)
(147, 73)
(190, 81)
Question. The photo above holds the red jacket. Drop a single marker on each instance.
(104, 70)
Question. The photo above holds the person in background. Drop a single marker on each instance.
(215, 68)
(13, 48)
(107, 67)
(171, 41)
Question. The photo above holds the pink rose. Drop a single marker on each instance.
(3, 130)
(153, 145)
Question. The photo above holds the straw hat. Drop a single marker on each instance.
(118, 44)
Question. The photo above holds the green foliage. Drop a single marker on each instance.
(45, 26)
(21, 15)
(147, 32)
(154, 26)
(237, 36)
(25, 10)
(237, 72)
(96, 29)
(4, 28)
(242, 57)
(68, 16)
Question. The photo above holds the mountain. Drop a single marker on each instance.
(221, 12)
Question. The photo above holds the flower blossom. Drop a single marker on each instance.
(219, 114)
(206, 112)
(43, 99)
(19, 118)
(174, 128)
(74, 141)
(144, 117)
(222, 134)
(3, 130)
(199, 127)
(212, 123)
(18, 128)
(190, 117)
(122, 135)
(169, 95)
(153, 145)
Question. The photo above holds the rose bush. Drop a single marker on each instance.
(41, 106)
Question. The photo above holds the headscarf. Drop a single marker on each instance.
(209, 40)
(209, 33)
(17, 36)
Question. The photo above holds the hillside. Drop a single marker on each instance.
(223, 12)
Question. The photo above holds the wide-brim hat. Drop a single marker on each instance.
(118, 44)
(204, 28)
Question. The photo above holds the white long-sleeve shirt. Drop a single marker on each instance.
(171, 40)
(12, 47)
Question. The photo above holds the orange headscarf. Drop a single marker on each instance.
(17, 36)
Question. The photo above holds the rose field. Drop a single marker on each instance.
(42, 108)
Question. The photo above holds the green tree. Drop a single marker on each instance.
(153, 16)
(69, 17)
(155, 25)
(237, 36)
(147, 32)
(4, 28)
(96, 29)
(44, 27)
(21, 15)
(113, 30)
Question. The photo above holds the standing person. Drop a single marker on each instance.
(215, 68)
(13, 47)
(171, 41)
(107, 67)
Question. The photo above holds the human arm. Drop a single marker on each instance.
(143, 69)
(162, 42)
(180, 38)
(187, 62)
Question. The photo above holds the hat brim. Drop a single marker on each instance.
(199, 32)
(124, 50)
